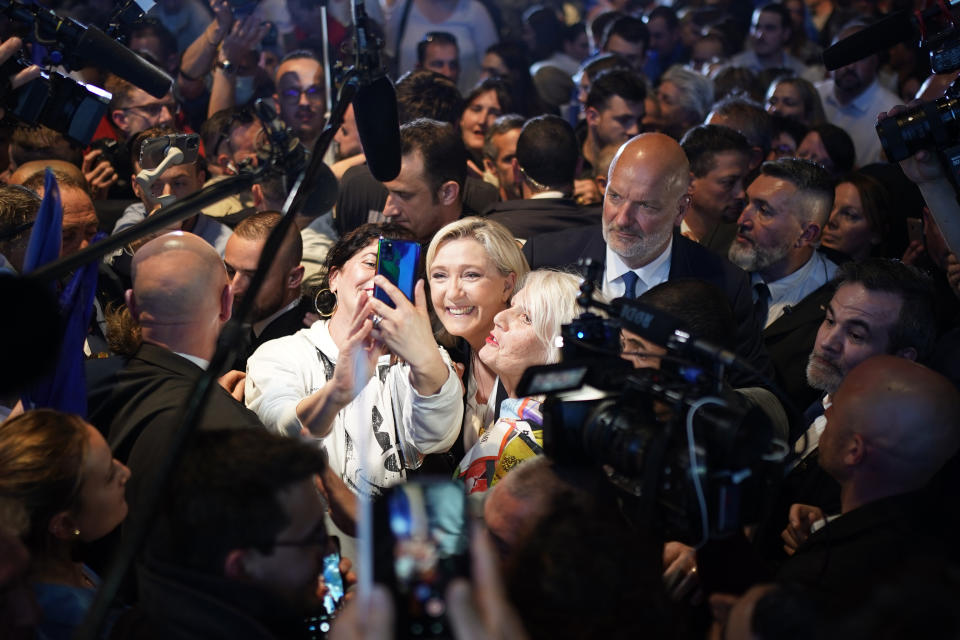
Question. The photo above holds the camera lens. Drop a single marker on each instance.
(930, 125)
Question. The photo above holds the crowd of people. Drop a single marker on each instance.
(695, 158)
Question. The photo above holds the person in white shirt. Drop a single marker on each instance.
(852, 98)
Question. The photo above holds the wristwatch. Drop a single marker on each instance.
(228, 67)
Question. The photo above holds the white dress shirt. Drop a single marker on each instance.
(651, 274)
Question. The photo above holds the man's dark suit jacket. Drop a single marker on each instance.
(285, 324)
(140, 406)
(528, 218)
(789, 341)
(843, 562)
(688, 260)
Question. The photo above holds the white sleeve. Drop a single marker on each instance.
(278, 378)
(428, 424)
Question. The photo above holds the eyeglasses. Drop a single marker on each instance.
(155, 110)
(314, 94)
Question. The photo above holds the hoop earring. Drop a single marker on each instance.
(316, 302)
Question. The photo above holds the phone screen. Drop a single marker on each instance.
(420, 545)
(319, 625)
(397, 261)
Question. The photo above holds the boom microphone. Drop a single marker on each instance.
(378, 125)
(103, 51)
(897, 27)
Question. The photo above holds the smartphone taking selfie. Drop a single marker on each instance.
(397, 261)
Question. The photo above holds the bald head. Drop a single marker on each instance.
(907, 417)
(178, 280)
(647, 195)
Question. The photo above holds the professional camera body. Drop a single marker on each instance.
(691, 457)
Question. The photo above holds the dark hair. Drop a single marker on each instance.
(667, 14)
(625, 83)
(498, 86)
(38, 142)
(916, 324)
(440, 144)
(875, 200)
(216, 129)
(547, 151)
(41, 466)
(434, 37)
(781, 10)
(599, 63)
(793, 128)
(838, 144)
(599, 25)
(422, 93)
(631, 29)
(259, 226)
(347, 247)
(18, 208)
(737, 82)
(151, 26)
(503, 124)
(526, 101)
(224, 496)
(547, 30)
(749, 118)
(703, 142)
(572, 31)
(301, 54)
(544, 576)
(702, 306)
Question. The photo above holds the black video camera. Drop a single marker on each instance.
(56, 101)
(695, 458)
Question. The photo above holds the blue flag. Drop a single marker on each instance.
(65, 388)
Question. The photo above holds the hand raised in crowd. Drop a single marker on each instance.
(99, 174)
(8, 49)
(357, 361)
(222, 20)
(244, 37)
(406, 332)
(802, 517)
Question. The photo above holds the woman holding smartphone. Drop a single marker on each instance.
(368, 379)
(473, 265)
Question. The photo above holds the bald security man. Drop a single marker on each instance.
(893, 424)
(639, 243)
(180, 300)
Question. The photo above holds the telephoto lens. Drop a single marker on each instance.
(934, 124)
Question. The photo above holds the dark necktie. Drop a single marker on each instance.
(762, 305)
(630, 285)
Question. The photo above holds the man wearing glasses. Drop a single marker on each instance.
(300, 95)
(133, 110)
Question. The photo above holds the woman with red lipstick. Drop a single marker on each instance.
(473, 265)
(368, 380)
(523, 336)
(488, 101)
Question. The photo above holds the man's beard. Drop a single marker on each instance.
(643, 246)
(752, 258)
(823, 374)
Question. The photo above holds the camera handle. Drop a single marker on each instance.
(147, 177)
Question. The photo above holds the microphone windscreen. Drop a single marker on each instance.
(103, 51)
(378, 125)
(883, 34)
